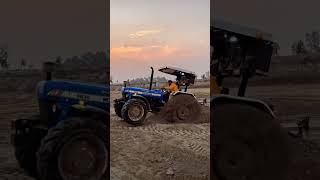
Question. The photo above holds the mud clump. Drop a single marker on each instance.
(184, 108)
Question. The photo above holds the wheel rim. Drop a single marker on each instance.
(135, 112)
(183, 112)
(83, 157)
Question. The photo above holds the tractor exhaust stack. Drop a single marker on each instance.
(48, 68)
(151, 80)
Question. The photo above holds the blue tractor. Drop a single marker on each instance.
(69, 138)
(136, 102)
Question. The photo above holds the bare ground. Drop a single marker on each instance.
(159, 149)
(293, 102)
(13, 105)
(174, 151)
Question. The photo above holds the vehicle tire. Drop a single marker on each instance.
(118, 104)
(182, 108)
(26, 141)
(75, 149)
(248, 143)
(134, 112)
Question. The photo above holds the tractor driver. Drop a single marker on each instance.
(172, 86)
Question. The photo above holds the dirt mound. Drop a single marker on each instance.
(203, 116)
(183, 109)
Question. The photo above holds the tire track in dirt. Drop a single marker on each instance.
(182, 147)
(191, 139)
(158, 130)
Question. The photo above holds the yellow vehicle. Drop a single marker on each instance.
(247, 139)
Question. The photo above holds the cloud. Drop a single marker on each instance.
(146, 53)
(125, 50)
(143, 33)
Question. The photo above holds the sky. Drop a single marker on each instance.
(145, 33)
(165, 31)
(38, 30)
(287, 20)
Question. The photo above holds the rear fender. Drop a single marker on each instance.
(181, 92)
(224, 99)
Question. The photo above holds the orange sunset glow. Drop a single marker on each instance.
(158, 33)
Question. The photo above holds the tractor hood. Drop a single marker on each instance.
(141, 91)
(67, 91)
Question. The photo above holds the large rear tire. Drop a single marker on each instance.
(76, 149)
(26, 140)
(134, 112)
(182, 108)
(248, 143)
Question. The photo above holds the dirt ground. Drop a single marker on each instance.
(176, 151)
(159, 149)
(293, 102)
(13, 105)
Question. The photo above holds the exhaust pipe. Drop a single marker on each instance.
(151, 80)
(48, 68)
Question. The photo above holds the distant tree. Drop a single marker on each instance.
(298, 48)
(59, 60)
(313, 41)
(276, 49)
(203, 77)
(4, 58)
(30, 66)
(23, 63)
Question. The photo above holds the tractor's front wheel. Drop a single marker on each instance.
(134, 112)
(26, 137)
(76, 149)
(118, 104)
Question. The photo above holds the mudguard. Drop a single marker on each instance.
(182, 92)
(143, 99)
(222, 99)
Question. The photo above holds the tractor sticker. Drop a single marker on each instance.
(80, 96)
(143, 93)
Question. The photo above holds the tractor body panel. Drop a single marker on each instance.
(223, 99)
(149, 94)
(58, 99)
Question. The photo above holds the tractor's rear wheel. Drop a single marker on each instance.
(76, 149)
(26, 141)
(248, 143)
(134, 112)
(183, 108)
